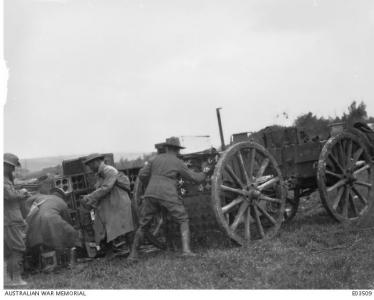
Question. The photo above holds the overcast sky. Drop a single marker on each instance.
(107, 76)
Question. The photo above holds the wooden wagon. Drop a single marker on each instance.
(258, 179)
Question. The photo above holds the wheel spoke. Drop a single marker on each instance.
(338, 198)
(230, 189)
(263, 179)
(227, 218)
(334, 174)
(266, 214)
(336, 185)
(270, 199)
(252, 164)
(268, 183)
(363, 183)
(365, 167)
(349, 154)
(263, 167)
(335, 161)
(243, 167)
(356, 156)
(232, 204)
(362, 198)
(239, 217)
(341, 154)
(351, 200)
(234, 176)
(247, 224)
(359, 164)
(258, 221)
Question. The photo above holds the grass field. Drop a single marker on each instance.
(311, 252)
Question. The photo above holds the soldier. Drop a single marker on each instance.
(49, 223)
(14, 225)
(161, 192)
(111, 201)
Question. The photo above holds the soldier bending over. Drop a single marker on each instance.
(111, 202)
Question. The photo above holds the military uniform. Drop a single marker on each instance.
(14, 225)
(49, 223)
(112, 204)
(161, 175)
(161, 191)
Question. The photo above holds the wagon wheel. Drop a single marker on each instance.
(345, 177)
(154, 234)
(292, 204)
(248, 197)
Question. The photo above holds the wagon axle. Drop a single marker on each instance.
(350, 177)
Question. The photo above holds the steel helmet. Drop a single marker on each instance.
(11, 159)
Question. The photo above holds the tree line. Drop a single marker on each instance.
(314, 125)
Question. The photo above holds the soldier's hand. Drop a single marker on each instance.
(83, 200)
(86, 202)
(206, 170)
(205, 167)
(25, 193)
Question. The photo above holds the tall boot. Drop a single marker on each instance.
(7, 279)
(135, 245)
(16, 269)
(185, 236)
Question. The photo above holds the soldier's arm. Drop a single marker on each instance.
(188, 174)
(11, 194)
(123, 182)
(110, 178)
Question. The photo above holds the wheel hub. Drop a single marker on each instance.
(252, 194)
(350, 177)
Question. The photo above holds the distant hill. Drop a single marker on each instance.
(37, 164)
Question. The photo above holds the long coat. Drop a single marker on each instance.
(48, 223)
(113, 214)
(162, 172)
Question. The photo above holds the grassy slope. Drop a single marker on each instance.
(312, 251)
